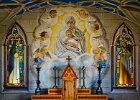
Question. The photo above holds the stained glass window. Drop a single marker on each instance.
(124, 47)
(15, 54)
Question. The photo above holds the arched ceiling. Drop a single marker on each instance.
(124, 8)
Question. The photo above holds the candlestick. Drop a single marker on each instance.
(99, 88)
(83, 78)
(38, 89)
(55, 68)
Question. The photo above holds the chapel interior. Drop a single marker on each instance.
(70, 50)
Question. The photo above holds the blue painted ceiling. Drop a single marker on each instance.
(113, 6)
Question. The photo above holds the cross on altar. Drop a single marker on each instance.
(68, 59)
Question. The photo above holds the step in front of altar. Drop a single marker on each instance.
(46, 97)
(54, 91)
(79, 91)
(79, 97)
(92, 97)
(81, 94)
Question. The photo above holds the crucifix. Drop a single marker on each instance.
(68, 59)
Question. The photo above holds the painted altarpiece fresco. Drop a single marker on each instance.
(69, 31)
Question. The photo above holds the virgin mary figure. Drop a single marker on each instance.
(63, 48)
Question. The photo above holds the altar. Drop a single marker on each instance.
(69, 90)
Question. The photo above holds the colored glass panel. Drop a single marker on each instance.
(15, 58)
(124, 59)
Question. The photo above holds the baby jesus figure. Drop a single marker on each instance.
(71, 40)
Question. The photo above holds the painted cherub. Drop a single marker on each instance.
(41, 53)
(95, 27)
(82, 13)
(53, 13)
(99, 55)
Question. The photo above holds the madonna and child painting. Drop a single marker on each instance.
(68, 31)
